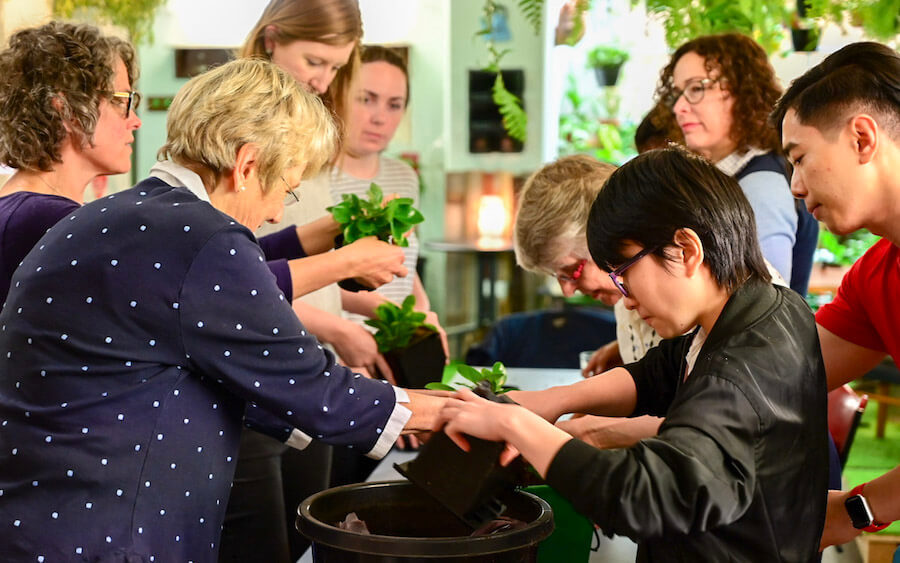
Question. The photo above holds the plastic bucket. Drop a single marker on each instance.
(407, 525)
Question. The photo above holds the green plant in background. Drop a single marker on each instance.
(396, 326)
(879, 19)
(606, 55)
(389, 221)
(683, 20)
(583, 131)
(494, 375)
(843, 250)
(136, 16)
(515, 121)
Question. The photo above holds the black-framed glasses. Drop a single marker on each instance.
(574, 276)
(294, 198)
(616, 275)
(694, 90)
(132, 100)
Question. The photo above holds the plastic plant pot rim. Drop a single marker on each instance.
(320, 532)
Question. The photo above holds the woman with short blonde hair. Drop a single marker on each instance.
(146, 330)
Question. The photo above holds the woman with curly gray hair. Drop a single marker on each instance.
(67, 115)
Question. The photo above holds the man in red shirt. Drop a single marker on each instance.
(840, 127)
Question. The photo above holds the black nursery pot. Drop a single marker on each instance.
(409, 526)
(420, 363)
(607, 75)
(469, 484)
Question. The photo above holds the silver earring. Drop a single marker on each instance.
(269, 53)
(242, 188)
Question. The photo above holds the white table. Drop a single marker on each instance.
(617, 550)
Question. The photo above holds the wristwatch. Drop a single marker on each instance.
(860, 512)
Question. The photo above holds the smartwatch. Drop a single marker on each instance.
(860, 513)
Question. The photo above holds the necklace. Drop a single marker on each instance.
(46, 183)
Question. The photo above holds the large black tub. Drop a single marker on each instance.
(407, 525)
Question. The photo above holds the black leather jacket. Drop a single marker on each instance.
(739, 468)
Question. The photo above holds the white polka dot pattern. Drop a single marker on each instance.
(126, 410)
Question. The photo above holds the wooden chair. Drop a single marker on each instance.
(845, 409)
(885, 375)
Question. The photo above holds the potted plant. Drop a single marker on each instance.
(136, 16)
(469, 484)
(411, 347)
(804, 34)
(607, 60)
(387, 220)
(359, 217)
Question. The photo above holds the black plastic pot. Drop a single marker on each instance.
(607, 75)
(805, 40)
(408, 526)
(469, 484)
(420, 363)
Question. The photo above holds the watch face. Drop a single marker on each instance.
(859, 511)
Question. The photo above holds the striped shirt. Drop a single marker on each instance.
(394, 177)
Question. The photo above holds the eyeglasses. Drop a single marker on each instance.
(294, 198)
(616, 275)
(693, 92)
(574, 276)
(132, 103)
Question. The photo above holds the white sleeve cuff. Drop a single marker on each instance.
(394, 426)
(298, 440)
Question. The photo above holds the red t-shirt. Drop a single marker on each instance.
(867, 305)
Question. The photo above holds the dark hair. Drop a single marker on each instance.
(863, 75)
(652, 133)
(377, 53)
(53, 79)
(745, 72)
(661, 191)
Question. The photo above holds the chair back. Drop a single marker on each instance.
(845, 409)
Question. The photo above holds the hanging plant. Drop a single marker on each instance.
(136, 16)
(683, 20)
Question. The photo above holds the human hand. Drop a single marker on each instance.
(566, 23)
(838, 527)
(432, 319)
(356, 347)
(373, 262)
(471, 415)
(605, 358)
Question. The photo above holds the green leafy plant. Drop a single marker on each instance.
(396, 326)
(389, 221)
(582, 130)
(515, 120)
(683, 20)
(843, 250)
(136, 16)
(495, 376)
(606, 55)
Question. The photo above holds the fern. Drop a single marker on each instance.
(514, 119)
(531, 9)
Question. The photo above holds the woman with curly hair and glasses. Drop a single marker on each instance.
(721, 89)
(67, 116)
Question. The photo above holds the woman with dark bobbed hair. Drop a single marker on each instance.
(737, 470)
